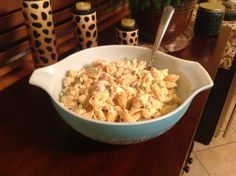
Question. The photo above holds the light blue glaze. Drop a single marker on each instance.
(117, 134)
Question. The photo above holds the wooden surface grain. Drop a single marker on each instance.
(34, 140)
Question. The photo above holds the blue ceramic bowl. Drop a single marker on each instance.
(193, 79)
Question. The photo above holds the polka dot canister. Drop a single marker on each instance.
(40, 29)
(84, 17)
(127, 32)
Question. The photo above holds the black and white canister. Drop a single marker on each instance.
(84, 16)
(41, 31)
(127, 32)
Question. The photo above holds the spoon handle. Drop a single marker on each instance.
(164, 22)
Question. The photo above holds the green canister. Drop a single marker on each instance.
(209, 19)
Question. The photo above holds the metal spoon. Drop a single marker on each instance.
(165, 20)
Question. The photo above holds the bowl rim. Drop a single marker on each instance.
(148, 121)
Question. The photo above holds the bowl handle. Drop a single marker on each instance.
(204, 80)
(42, 78)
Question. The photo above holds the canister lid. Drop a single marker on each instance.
(230, 4)
(83, 6)
(128, 22)
(211, 7)
(234, 1)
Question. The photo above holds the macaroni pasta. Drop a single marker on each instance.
(120, 91)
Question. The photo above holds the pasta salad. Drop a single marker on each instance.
(120, 91)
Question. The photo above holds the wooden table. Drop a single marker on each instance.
(35, 141)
